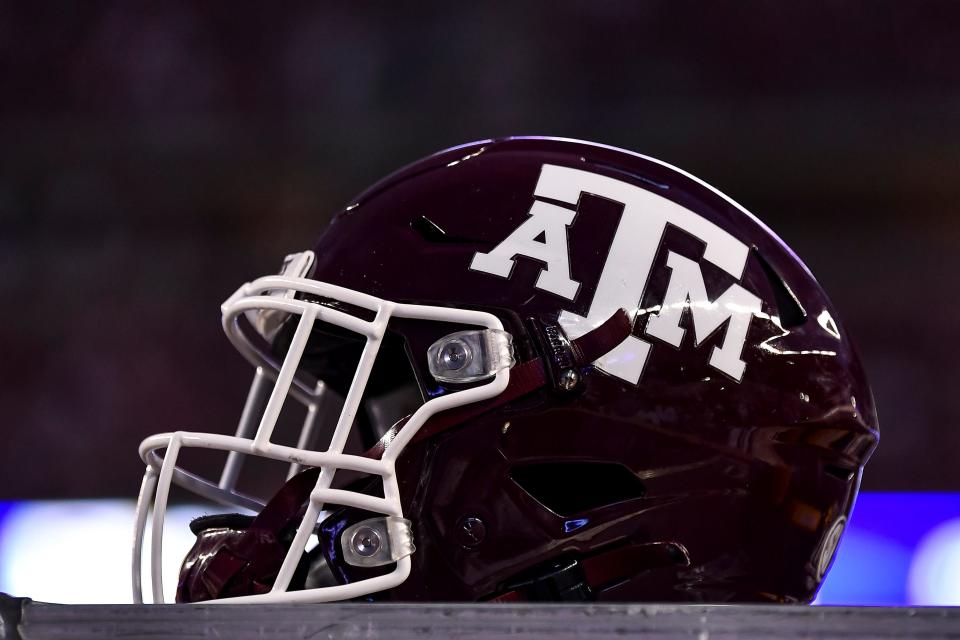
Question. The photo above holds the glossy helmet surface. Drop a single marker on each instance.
(559, 371)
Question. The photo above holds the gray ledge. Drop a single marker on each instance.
(25, 619)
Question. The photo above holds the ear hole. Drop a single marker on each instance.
(567, 488)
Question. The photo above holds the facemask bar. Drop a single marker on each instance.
(162, 470)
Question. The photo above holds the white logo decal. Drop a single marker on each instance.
(626, 271)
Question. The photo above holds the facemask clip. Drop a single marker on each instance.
(268, 322)
(469, 356)
(377, 541)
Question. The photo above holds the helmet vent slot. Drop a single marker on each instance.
(433, 233)
(841, 473)
(568, 488)
(791, 312)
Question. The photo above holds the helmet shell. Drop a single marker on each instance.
(750, 478)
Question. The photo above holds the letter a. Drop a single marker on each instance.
(551, 221)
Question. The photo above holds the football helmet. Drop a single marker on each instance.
(529, 369)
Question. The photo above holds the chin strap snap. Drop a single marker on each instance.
(564, 358)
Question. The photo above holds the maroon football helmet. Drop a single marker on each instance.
(554, 370)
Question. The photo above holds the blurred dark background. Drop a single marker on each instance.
(154, 156)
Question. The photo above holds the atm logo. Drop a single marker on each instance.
(629, 261)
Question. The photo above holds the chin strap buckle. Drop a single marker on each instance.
(564, 358)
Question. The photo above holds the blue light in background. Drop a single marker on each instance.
(79, 551)
(897, 550)
(935, 571)
(5, 508)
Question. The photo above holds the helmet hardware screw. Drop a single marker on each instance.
(366, 542)
(471, 531)
(505, 428)
(569, 379)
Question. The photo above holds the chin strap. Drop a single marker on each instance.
(227, 561)
(230, 560)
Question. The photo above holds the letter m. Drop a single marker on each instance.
(686, 290)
